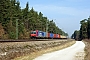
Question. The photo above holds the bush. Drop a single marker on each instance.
(12, 35)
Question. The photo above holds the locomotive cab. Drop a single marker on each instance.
(33, 34)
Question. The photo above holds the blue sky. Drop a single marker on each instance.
(67, 14)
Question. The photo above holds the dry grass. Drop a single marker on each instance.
(87, 49)
(80, 55)
(47, 50)
(11, 50)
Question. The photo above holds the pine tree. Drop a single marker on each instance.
(25, 15)
(4, 5)
(88, 28)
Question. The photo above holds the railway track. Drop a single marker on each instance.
(13, 40)
(27, 40)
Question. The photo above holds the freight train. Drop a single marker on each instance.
(40, 34)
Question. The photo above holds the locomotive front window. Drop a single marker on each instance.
(34, 32)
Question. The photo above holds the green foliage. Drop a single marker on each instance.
(83, 29)
(75, 35)
(88, 28)
(84, 32)
(12, 35)
(27, 19)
